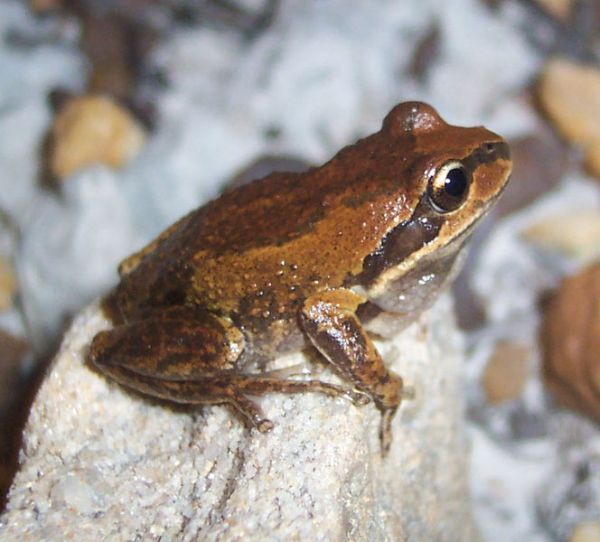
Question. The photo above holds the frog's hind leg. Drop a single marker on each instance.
(190, 358)
(256, 384)
(171, 344)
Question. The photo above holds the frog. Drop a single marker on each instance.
(328, 260)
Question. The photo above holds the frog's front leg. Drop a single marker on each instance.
(330, 321)
(186, 357)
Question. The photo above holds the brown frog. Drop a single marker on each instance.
(360, 245)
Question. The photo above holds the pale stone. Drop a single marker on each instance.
(573, 234)
(570, 95)
(586, 532)
(99, 463)
(93, 130)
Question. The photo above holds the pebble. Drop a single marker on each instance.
(569, 93)
(586, 532)
(506, 372)
(8, 285)
(559, 9)
(574, 235)
(90, 130)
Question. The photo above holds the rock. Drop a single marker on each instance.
(592, 159)
(99, 462)
(540, 161)
(559, 9)
(108, 42)
(44, 6)
(8, 285)
(570, 338)
(265, 165)
(12, 391)
(426, 52)
(12, 352)
(568, 499)
(90, 130)
(506, 372)
(586, 532)
(570, 95)
(575, 235)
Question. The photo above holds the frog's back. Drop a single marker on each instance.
(262, 248)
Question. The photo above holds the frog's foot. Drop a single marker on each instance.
(251, 411)
(330, 321)
(387, 415)
(236, 390)
(385, 429)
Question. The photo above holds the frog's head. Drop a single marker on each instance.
(452, 176)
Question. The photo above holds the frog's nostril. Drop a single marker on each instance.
(492, 150)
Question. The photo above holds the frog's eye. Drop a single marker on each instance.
(449, 187)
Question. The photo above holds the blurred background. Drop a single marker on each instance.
(118, 116)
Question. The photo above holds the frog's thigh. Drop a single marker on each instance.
(330, 321)
(192, 361)
(169, 347)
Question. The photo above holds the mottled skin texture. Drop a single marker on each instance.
(301, 258)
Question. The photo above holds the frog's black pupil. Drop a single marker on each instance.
(456, 182)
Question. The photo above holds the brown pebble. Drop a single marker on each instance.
(540, 161)
(45, 6)
(426, 52)
(91, 130)
(570, 336)
(569, 93)
(506, 372)
(559, 9)
(12, 352)
(8, 285)
(108, 43)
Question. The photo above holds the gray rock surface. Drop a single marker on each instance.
(99, 463)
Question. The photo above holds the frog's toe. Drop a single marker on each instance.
(385, 429)
(264, 426)
(358, 397)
